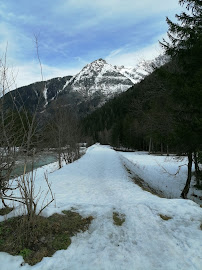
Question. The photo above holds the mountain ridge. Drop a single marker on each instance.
(89, 89)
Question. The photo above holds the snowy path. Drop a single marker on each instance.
(97, 185)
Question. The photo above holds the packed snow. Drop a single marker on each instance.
(45, 96)
(98, 184)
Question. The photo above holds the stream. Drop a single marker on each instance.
(41, 158)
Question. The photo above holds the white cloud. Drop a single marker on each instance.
(132, 58)
(115, 53)
(17, 43)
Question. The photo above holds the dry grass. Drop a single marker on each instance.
(43, 238)
(165, 217)
(118, 218)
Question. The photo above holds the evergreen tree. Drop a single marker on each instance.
(185, 35)
(185, 49)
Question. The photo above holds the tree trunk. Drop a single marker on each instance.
(150, 145)
(59, 159)
(197, 170)
(167, 151)
(187, 185)
(161, 148)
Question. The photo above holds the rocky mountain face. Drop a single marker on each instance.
(87, 90)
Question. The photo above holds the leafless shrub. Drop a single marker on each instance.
(14, 140)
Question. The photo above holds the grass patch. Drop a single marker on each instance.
(118, 218)
(5, 211)
(43, 238)
(165, 217)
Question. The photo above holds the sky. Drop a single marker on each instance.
(72, 33)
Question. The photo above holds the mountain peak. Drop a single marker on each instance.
(99, 78)
(100, 60)
(99, 63)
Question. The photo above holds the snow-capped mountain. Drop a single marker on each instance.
(99, 81)
(90, 88)
(99, 77)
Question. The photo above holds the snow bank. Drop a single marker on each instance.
(166, 174)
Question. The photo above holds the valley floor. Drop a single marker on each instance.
(157, 233)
